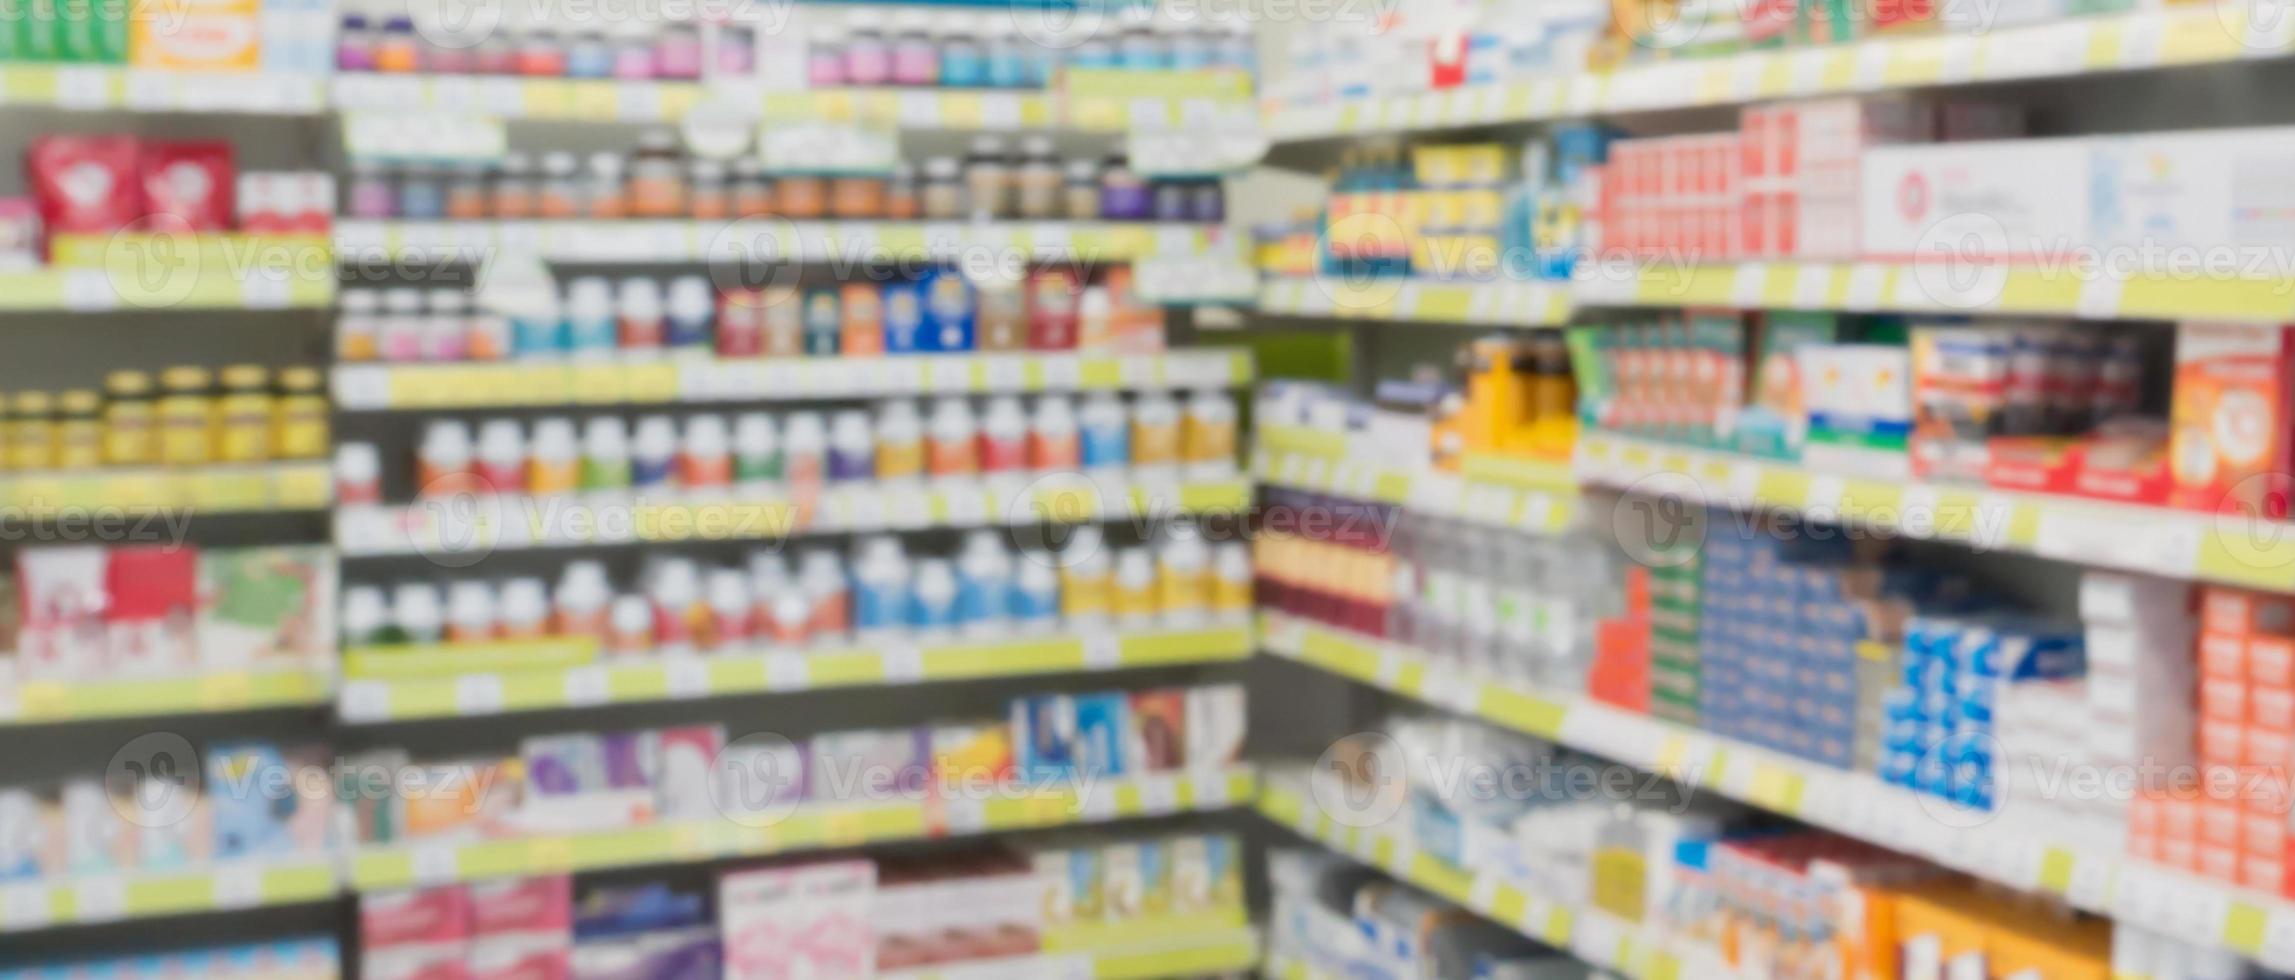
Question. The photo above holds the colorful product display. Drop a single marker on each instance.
(1342, 919)
(1471, 212)
(589, 781)
(985, 589)
(290, 959)
(657, 181)
(249, 801)
(283, 36)
(96, 613)
(105, 183)
(181, 416)
(385, 38)
(964, 50)
(1053, 308)
(803, 450)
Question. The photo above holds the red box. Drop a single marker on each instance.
(2267, 748)
(2271, 661)
(2220, 743)
(2223, 655)
(2225, 610)
(2261, 873)
(2219, 823)
(2222, 700)
(2271, 708)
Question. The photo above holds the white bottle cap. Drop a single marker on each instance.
(446, 443)
(358, 463)
(470, 604)
(705, 436)
(633, 615)
(690, 297)
(768, 572)
(414, 606)
(583, 586)
(728, 591)
(364, 612)
(656, 437)
(525, 602)
(754, 434)
(605, 438)
(805, 434)
(590, 298)
(501, 443)
(554, 439)
(639, 299)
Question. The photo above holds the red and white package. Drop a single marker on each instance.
(188, 184)
(85, 184)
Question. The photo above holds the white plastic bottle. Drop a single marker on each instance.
(641, 318)
(1207, 434)
(804, 443)
(442, 462)
(1183, 594)
(605, 454)
(630, 627)
(731, 613)
(582, 600)
(852, 448)
(525, 609)
(1155, 433)
(1035, 600)
(821, 574)
(1105, 434)
(880, 590)
(1004, 436)
(1052, 436)
(1135, 599)
(365, 615)
(900, 441)
(416, 611)
(358, 473)
(951, 442)
(502, 457)
(933, 617)
(1231, 576)
(590, 331)
(983, 585)
(470, 612)
(768, 577)
(653, 456)
(675, 591)
(756, 452)
(705, 457)
(554, 461)
(1087, 583)
(692, 314)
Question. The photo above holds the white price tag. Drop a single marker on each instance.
(1873, 64)
(903, 665)
(238, 885)
(1866, 281)
(966, 816)
(686, 677)
(864, 508)
(1099, 804)
(26, 906)
(435, 864)
(1960, 55)
(89, 291)
(2140, 41)
(1825, 493)
(478, 694)
(950, 374)
(364, 701)
(1103, 651)
(2099, 298)
(1812, 287)
(83, 88)
(1005, 372)
(1917, 510)
(1211, 790)
(1482, 896)
(787, 672)
(2091, 884)
(2278, 948)
(966, 505)
(101, 898)
(1159, 796)
(587, 687)
(1805, 72)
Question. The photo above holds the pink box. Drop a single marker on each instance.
(430, 915)
(522, 905)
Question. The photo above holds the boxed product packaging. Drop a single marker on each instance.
(1216, 726)
(2225, 191)
(1859, 401)
(1206, 874)
(642, 932)
(2229, 447)
(870, 765)
(198, 35)
(188, 185)
(1799, 170)
(758, 913)
(2011, 201)
(266, 607)
(19, 234)
(1775, 420)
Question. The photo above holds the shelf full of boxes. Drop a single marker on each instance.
(1789, 413)
(1042, 407)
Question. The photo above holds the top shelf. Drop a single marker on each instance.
(1168, 100)
(2203, 34)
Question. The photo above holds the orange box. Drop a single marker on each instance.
(2219, 863)
(2219, 823)
(2268, 748)
(2181, 854)
(2263, 835)
(2179, 817)
(2271, 661)
(2228, 437)
(2262, 874)
(2244, 613)
(2271, 708)
(2223, 655)
(2220, 741)
(2223, 700)
(200, 35)
(2265, 791)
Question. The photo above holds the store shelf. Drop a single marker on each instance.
(2118, 42)
(401, 684)
(579, 100)
(2231, 549)
(48, 702)
(383, 387)
(152, 90)
(1506, 303)
(466, 526)
(1184, 948)
(1527, 495)
(2064, 290)
(764, 239)
(235, 885)
(2011, 849)
(102, 290)
(1591, 934)
(809, 827)
(301, 485)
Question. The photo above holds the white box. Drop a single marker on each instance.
(2226, 191)
(2014, 200)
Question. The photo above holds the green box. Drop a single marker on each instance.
(36, 34)
(111, 30)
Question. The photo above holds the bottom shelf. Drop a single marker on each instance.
(1595, 936)
(1185, 951)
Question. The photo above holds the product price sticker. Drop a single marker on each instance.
(478, 694)
(903, 665)
(434, 864)
(364, 701)
(587, 687)
(26, 906)
(1159, 797)
(100, 898)
(686, 677)
(1103, 651)
(787, 672)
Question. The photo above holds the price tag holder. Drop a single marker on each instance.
(825, 147)
(686, 677)
(1103, 651)
(787, 672)
(102, 898)
(364, 701)
(26, 906)
(435, 864)
(478, 694)
(587, 687)
(903, 665)
(238, 886)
